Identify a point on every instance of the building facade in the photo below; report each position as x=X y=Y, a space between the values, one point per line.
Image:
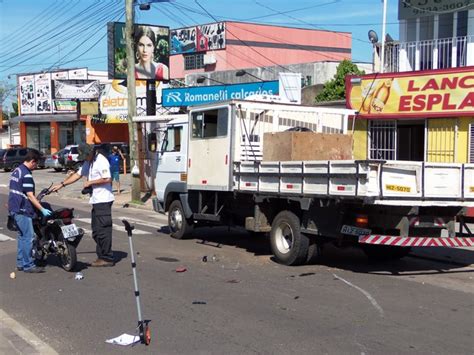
x=421 y=108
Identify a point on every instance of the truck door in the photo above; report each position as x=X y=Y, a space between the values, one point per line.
x=171 y=158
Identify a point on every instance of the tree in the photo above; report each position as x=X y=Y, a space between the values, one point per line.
x=15 y=109
x=335 y=89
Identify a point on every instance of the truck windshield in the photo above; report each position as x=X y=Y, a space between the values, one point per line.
x=172 y=142
x=209 y=124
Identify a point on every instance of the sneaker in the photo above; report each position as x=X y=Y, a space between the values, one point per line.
x=102 y=263
x=34 y=270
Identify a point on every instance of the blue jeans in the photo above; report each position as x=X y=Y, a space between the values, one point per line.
x=24 y=256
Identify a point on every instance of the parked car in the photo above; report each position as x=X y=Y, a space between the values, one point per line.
x=52 y=161
x=68 y=158
x=13 y=157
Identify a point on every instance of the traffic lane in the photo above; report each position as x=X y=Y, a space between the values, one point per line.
x=251 y=303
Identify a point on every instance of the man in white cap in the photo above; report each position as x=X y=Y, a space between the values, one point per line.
x=96 y=169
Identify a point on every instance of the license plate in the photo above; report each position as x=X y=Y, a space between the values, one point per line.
x=351 y=230
x=70 y=231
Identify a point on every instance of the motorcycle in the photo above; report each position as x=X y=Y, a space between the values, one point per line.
x=56 y=234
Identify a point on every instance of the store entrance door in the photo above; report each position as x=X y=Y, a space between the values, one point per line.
x=411 y=141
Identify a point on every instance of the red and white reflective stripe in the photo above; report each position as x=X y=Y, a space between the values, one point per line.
x=417 y=241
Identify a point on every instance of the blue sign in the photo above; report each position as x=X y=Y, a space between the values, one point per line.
x=197 y=95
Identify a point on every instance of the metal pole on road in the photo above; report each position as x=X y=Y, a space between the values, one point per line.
x=132 y=102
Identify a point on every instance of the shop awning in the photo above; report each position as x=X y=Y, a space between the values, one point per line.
x=45 y=118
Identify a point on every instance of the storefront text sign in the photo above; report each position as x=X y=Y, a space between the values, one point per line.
x=438 y=93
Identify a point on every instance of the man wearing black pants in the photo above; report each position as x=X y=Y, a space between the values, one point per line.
x=96 y=169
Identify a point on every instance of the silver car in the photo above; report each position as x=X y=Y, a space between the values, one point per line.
x=52 y=161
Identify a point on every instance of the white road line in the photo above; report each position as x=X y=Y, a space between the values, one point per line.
x=115 y=226
x=5 y=238
x=145 y=223
x=366 y=294
x=3 y=185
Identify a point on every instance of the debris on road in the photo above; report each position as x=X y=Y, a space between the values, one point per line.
x=181 y=269
x=79 y=276
x=199 y=302
x=124 y=339
x=204 y=259
x=12 y=275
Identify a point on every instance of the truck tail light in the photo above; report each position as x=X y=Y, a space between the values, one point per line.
x=362 y=221
x=69 y=157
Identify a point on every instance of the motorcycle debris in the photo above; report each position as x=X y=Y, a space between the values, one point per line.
x=79 y=276
x=12 y=275
x=199 y=302
x=181 y=269
x=204 y=259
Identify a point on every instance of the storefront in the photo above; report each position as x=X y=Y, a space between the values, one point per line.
x=420 y=116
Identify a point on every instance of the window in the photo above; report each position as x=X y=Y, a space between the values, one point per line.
x=172 y=142
x=209 y=124
x=193 y=61
x=382 y=140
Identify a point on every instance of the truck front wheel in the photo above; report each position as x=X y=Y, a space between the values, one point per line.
x=289 y=245
x=177 y=222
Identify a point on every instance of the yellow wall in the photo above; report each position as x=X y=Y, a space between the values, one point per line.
x=360 y=139
x=462 y=155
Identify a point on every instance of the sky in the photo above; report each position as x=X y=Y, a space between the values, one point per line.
x=38 y=35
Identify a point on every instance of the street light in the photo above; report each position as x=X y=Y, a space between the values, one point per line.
x=242 y=72
x=203 y=78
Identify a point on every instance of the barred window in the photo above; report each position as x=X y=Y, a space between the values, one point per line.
x=194 y=61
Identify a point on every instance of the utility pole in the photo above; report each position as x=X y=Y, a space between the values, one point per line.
x=384 y=21
x=132 y=101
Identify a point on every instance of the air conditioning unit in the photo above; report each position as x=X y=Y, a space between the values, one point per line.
x=209 y=59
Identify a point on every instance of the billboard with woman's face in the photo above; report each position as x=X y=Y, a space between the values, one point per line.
x=151 y=51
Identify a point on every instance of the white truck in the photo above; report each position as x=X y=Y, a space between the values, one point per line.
x=210 y=172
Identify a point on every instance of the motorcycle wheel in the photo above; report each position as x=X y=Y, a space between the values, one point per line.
x=39 y=255
x=68 y=256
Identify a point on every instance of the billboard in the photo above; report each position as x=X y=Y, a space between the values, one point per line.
x=26 y=86
x=76 y=89
x=77 y=74
x=151 y=49
x=113 y=100
x=198 y=38
x=418 y=8
x=43 y=93
x=445 y=93
x=64 y=106
x=60 y=75
x=206 y=94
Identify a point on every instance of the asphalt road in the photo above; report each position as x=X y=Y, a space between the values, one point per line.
x=247 y=303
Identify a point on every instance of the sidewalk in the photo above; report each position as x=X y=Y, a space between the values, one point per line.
x=16 y=339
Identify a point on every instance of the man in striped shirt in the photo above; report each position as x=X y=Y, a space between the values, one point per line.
x=21 y=205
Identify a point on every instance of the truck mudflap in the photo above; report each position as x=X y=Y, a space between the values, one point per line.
x=452 y=242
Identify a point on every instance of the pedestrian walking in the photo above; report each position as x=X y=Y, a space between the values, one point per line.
x=114 y=159
x=22 y=206
x=96 y=169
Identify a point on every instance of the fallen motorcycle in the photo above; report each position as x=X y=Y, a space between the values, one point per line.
x=56 y=235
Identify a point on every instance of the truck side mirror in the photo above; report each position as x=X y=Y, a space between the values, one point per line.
x=152 y=142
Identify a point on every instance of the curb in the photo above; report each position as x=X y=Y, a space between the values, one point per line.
x=19 y=331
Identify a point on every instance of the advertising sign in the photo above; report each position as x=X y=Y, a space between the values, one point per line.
x=151 y=49
x=77 y=74
x=43 y=93
x=418 y=8
x=26 y=85
x=198 y=38
x=113 y=100
x=60 y=75
x=438 y=94
x=73 y=89
x=207 y=94
x=64 y=106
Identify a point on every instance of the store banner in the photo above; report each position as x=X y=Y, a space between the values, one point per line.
x=418 y=8
x=89 y=108
x=206 y=94
x=76 y=89
x=60 y=75
x=63 y=106
x=26 y=96
x=444 y=93
x=77 y=74
x=43 y=93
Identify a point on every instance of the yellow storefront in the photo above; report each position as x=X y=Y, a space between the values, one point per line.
x=420 y=116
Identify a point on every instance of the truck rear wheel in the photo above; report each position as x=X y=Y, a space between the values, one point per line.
x=288 y=244
x=177 y=222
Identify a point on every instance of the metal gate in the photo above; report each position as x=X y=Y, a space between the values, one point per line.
x=383 y=139
x=441 y=140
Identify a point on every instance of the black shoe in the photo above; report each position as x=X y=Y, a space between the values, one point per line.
x=19 y=268
x=35 y=270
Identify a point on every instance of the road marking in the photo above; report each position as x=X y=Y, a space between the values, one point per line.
x=3 y=185
x=5 y=238
x=115 y=226
x=145 y=223
x=366 y=294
